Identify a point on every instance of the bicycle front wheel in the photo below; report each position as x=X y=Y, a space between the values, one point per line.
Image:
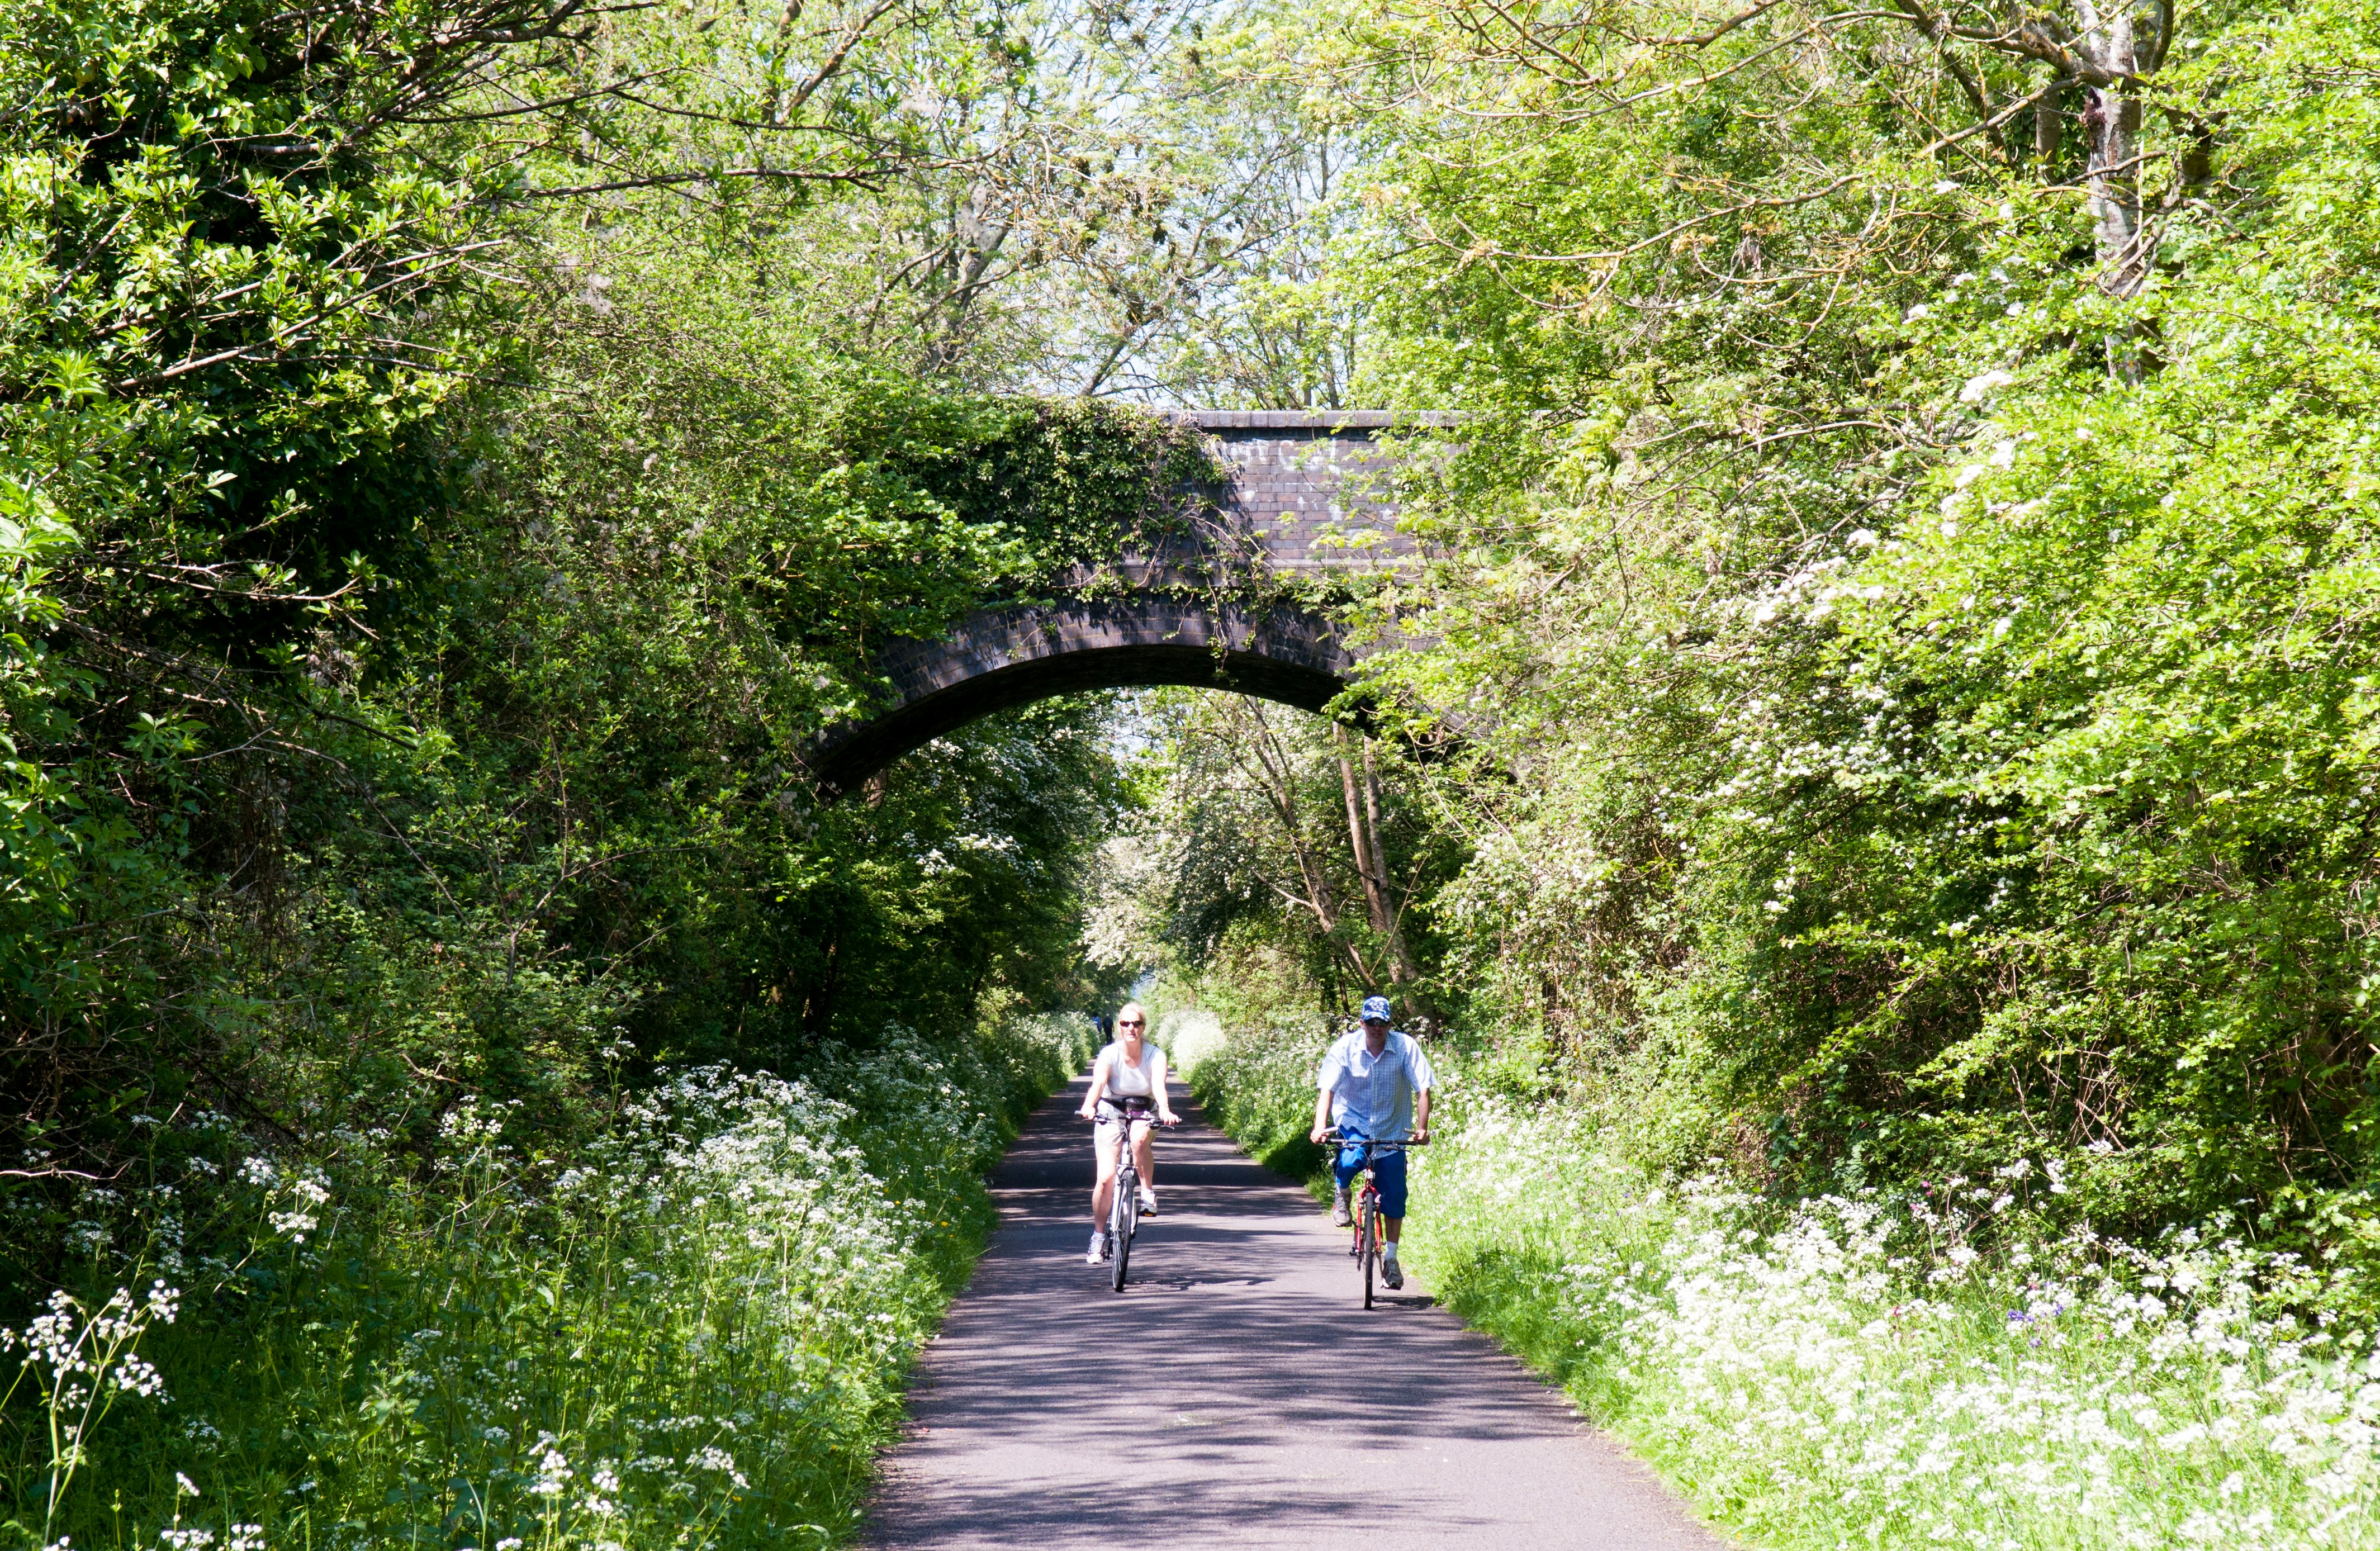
x=1127 y=1226
x=1369 y=1251
x=1126 y=1221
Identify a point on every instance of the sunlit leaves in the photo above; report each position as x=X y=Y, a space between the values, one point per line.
x=1931 y=672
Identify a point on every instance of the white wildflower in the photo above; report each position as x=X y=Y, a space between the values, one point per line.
x=554 y=1472
x=1980 y=387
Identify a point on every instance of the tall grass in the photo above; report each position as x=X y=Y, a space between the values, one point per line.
x=1934 y=1367
x=693 y=1333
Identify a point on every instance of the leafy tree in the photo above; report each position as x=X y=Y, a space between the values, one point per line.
x=434 y=536
x=1895 y=581
x=1893 y=644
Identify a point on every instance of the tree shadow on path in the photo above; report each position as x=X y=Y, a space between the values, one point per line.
x=1236 y=1392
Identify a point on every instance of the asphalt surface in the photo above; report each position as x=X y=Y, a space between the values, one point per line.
x=1236 y=1393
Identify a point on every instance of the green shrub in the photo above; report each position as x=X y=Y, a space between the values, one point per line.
x=1061 y=1044
x=691 y=1333
x=1260 y=1088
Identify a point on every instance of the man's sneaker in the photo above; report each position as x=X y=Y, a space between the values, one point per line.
x=1341 y=1214
x=1147 y=1202
x=1392 y=1273
x=1098 y=1254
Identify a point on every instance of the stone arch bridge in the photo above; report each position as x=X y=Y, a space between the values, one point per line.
x=1304 y=501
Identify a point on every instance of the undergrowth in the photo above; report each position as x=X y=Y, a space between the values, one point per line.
x=692 y=1333
x=1953 y=1364
x=1260 y=1088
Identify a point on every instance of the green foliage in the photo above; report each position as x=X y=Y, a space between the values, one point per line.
x=1258 y=1086
x=205 y=429
x=1078 y=481
x=414 y=611
x=417 y=563
x=676 y=580
x=690 y=1329
x=1908 y=645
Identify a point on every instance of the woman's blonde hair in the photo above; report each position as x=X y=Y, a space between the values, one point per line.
x=1128 y=1010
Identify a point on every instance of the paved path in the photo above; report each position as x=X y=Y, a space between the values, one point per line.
x=1236 y=1394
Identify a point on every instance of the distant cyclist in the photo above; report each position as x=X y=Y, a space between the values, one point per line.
x=1377 y=1081
x=1127 y=1084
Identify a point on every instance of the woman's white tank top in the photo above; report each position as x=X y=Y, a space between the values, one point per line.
x=1126 y=1080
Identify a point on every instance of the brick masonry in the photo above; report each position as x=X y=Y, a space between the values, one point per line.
x=1308 y=498
x=1312 y=489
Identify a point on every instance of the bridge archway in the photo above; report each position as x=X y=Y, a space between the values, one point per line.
x=1301 y=501
x=1000 y=660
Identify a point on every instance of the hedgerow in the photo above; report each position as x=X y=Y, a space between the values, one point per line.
x=690 y=1331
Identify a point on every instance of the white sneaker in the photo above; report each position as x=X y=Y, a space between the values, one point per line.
x=1147 y=1202
x=1392 y=1273
x=1098 y=1254
x=1341 y=1214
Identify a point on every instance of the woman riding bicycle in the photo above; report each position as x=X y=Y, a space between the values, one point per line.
x=1128 y=1083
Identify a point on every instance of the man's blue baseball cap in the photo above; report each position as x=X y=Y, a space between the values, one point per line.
x=1375 y=1007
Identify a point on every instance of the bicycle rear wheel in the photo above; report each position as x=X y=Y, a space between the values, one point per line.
x=1126 y=1219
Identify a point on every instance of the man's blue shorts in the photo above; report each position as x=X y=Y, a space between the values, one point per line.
x=1388 y=1171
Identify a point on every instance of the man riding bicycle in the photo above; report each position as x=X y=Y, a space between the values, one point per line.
x=1127 y=1083
x=1378 y=1082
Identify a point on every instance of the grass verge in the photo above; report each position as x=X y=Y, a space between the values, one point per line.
x=1929 y=1368
x=693 y=1333
x=1258 y=1088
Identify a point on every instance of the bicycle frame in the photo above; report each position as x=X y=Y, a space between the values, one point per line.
x=1124 y=1205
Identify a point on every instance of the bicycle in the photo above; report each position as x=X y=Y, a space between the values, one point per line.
x=1123 y=1207
x=1366 y=1250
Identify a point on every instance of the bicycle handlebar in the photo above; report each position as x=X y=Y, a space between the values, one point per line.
x=1336 y=1136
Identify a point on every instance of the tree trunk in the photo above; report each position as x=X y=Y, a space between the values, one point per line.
x=1375 y=893
x=2048 y=125
x=1280 y=791
x=1393 y=907
x=2111 y=122
x=2110 y=49
x=2112 y=119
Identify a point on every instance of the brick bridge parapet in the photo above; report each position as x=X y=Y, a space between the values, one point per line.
x=1312 y=488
